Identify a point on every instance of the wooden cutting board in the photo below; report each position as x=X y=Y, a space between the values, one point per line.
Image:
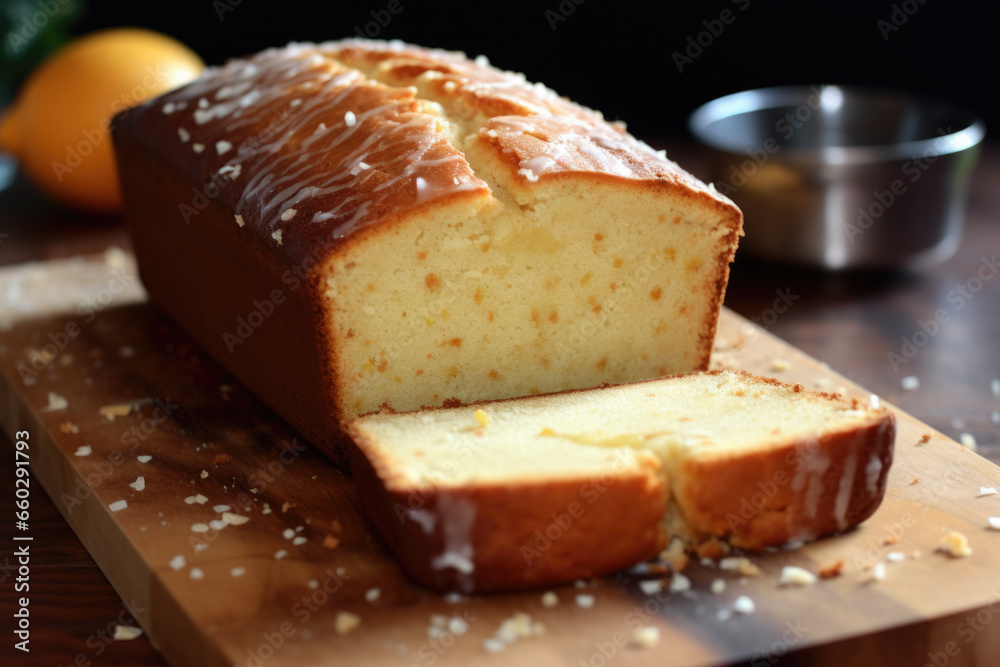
x=212 y=443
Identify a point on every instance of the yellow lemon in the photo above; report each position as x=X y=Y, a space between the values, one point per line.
x=58 y=126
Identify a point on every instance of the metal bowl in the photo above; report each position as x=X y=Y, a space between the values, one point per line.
x=842 y=177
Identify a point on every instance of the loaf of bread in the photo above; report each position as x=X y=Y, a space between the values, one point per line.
x=360 y=224
x=546 y=489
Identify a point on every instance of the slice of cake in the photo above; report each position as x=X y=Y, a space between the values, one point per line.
x=540 y=490
x=360 y=224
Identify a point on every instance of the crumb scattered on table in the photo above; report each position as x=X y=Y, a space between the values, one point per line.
x=832 y=570
x=346 y=622
x=744 y=605
x=124 y=633
x=740 y=564
x=112 y=411
x=792 y=575
x=955 y=545
x=646 y=637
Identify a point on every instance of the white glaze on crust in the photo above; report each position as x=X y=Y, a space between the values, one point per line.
x=285 y=111
x=301 y=129
x=843 y=499
x=457 y=517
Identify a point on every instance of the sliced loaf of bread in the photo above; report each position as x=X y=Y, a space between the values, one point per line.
x=538 y=490
x=359 y=223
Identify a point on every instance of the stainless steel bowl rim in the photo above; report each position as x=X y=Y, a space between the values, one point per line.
x=759 y=99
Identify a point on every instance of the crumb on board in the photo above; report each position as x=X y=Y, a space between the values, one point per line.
x=889 y=540
x=915 y=480
x=518 y=626
x=346 y=622
x=712 y=548
x=549 y=599
x=493 y=645
x=124 y=633
x=955 y=544
x=986 y=491
x=69 y=428
x=780 y=364
x=330 y=542
x=647 y=636
x=56 y=402
x=740 y=564
x=968 y=441
x=679 y=583
x=83 y=450
x=924 y=439
x=792 y=575
x=117 y=410
x=234 y=519
x=831 y=571
x=651 y=586
x=585 y=601
x=675 y=555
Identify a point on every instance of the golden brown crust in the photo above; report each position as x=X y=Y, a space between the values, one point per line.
x=217 y=295
x=520 y=536
x=796 y=492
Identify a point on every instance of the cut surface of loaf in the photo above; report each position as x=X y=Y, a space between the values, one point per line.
x=360 y=223
x=584 y=483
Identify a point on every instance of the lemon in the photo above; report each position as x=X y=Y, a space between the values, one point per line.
x=58 y=125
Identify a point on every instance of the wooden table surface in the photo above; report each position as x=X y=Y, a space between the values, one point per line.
x=851 y=321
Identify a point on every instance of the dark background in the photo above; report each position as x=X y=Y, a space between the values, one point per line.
x=617 y=56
